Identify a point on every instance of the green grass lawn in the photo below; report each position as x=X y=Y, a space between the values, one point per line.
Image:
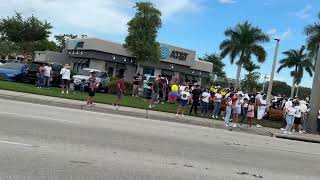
x=99 y=98
x=103 y=98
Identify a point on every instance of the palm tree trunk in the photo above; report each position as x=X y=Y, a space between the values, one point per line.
x=137 y=68
x=292 y=87
x=238 y=77
x=297 y=93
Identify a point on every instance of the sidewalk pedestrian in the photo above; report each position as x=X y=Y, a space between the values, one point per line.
x=155 y=93
x=196 y=93
x=136 y=85
x=250 y=112
x=47 y=75
x=161 y=93
x=290 y=112
x=262 y=104
x=229 y=107
x=297 y=118
x=237 y=110
x=244 y=110
x=185 y=97
x=216 y=104
x=40 y=76
x=145 y=87
x=65 y=77
x=92 y=87
x=121 y=89
x=205 y=96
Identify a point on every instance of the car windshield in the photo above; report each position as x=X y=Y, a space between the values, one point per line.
x=87 y=73
x=34 y=67
x=15 y=66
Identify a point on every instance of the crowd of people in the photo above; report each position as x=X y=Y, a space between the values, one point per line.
x=235 y=107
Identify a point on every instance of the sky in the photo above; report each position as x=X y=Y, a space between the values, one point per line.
x=198 y=25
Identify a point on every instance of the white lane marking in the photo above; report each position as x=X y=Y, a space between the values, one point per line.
x=16 y=143
x=38 y=117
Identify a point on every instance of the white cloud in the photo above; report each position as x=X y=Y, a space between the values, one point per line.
x=107 y=17
x=170 y=9
x=227 y=1
x=272 y=31
x=275 y=34
x=303 y=13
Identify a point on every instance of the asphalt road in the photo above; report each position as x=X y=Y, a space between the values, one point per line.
x=44 y=142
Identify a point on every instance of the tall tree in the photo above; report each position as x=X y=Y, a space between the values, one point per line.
x=218 y=64
x=251 y=82
x=61 y=39
x=24 y=32
x=250 y=67
x=7 y=47
x=244 y=42
x=300 y=61
x=313 y=33
x=142 y=33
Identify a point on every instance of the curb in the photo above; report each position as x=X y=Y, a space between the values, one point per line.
x=298 y=138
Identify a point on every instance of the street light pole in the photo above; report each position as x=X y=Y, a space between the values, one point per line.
x=311 y=124
x=264 y=82
x=272 y=72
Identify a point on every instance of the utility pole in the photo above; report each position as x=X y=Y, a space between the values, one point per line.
x=311 y=124
x=272 y=72
x=264 y=82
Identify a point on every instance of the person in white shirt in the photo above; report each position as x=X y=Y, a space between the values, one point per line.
x=262 y=104
x=290 y=113
x=205 y=96
x=47 y=75
x=237 y=109
x=185 y=97
x=65 y=77
x=297 y=117
x=229 y=107
x=217 y=105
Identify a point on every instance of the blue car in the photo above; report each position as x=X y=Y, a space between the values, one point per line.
x=13 y=72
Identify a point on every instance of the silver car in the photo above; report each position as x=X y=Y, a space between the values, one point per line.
x=84 y=75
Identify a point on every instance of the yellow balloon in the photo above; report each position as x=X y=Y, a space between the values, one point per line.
x=174 y=88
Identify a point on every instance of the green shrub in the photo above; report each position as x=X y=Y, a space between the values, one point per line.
x=276 y=115
x=113 y=89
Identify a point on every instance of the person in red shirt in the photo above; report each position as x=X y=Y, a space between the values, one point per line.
x=120 y=93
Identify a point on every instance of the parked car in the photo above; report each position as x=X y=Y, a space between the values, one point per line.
x=34 y=68
x=13 y=72
x=84 y=74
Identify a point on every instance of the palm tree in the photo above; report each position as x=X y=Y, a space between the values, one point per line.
x=313 y=33
x=218 y=65
x=300 y=61
x=250 y=67
x=244 y=42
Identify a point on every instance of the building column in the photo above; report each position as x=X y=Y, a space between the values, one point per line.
x=114 y=73
x=7 y=57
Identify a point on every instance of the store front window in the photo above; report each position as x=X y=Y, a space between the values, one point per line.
x=147 y=71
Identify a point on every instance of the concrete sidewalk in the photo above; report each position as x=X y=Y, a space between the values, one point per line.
x=154 y=115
